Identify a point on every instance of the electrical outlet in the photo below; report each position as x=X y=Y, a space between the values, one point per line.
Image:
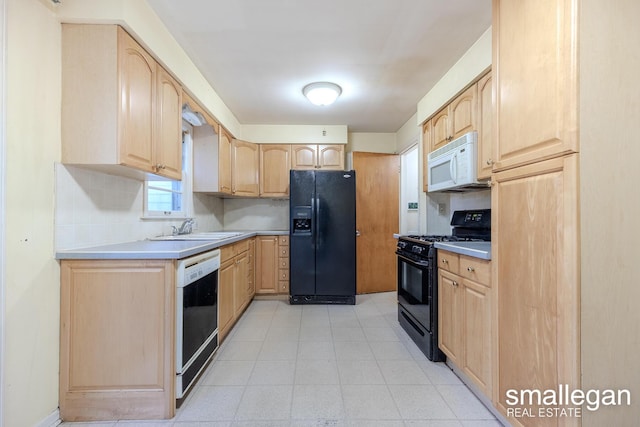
x=442 y=208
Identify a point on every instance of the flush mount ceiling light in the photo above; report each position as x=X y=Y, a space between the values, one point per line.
x=322 y=93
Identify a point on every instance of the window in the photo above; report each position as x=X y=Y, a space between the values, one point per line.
x=165 y=198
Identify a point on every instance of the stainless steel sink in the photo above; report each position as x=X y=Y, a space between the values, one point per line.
x=213 y=235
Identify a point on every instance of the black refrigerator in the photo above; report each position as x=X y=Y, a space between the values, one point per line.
x=322 y=237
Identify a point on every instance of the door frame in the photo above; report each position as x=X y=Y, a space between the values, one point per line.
x=402 y=217
x=3 y=127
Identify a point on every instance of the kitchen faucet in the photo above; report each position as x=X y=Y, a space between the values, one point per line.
x=185 y=227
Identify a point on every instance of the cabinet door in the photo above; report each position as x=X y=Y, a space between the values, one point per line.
x=440 y=129
x=450 y=306
x=427 y=135
x=246 y=159
x=225 y=297
x=168 y=140
x=137 y=101
x=331 y=157
x=275 y=162
x=535 y=268
x=266 y=264
x=485 y=126
x=462 y=112
x=240 y=285
x=304 y=156
x=251 y=276
x=117 y=339
x=224 y=161
x=536 y=80
x=477 y=335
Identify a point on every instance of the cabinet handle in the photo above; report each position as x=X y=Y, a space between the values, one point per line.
x=471 y=269
x=455 y=283
x=444 y=261
x=489 y=162
x=160 y=167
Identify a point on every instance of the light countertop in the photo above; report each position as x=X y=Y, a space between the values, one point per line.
x=159 y=249
x=480 y=250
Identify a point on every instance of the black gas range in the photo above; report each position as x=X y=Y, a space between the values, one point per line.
x=418 y=277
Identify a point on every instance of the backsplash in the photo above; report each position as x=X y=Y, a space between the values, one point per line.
x=256 y=214
x=94 y=208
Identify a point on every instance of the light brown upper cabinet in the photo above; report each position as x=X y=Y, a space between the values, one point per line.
x=485 y=126
x=120 y=109
x=329 y=157
x=245 y=158
x=211 y=159
x=275 y=162
x=549 y=100
x=456 y=119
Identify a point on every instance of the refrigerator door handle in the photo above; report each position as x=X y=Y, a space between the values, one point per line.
x=313 y=221
x=316 y=219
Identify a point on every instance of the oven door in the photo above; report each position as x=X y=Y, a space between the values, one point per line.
x=196 y=316
x=415 y=288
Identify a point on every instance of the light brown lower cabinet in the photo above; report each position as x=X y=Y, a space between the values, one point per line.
x=117 y=339
x=272 y=265
x=235 y=284
x=464 y=316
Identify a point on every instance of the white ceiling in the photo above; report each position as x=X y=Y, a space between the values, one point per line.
x=386 y=54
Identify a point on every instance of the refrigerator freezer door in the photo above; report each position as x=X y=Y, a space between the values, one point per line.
x=302 y=244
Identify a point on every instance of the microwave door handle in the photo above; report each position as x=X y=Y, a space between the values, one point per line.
x=453 y=168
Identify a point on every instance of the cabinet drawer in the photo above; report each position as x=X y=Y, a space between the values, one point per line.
x=283 y=240
x=283 y=286
x=283 y=251
x=475 y=269
x=242 y=246
x=227 y=252
x=448 y=261
x=283 y=263
x=283 y=274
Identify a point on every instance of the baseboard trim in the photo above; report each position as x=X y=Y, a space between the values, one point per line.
x=52 y=420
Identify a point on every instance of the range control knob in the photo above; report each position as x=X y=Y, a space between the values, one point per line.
x=417 y=249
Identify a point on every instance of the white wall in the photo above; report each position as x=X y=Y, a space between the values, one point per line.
x=471 y=65
x=30 y=387
x=369 y=142
x=93 y=208
x=142 y=22
x=256 y=214
x=295 y=134
x=410 y=189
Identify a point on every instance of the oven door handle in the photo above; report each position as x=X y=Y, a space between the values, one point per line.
x=421 y=264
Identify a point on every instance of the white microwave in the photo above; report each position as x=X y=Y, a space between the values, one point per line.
x=453 y=167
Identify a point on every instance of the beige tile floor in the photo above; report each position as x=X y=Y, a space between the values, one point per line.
x=322 y=365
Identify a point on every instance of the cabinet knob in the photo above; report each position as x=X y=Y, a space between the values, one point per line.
x=455 y=283
x=489 y=162
x=471 y=269
x=444 y=261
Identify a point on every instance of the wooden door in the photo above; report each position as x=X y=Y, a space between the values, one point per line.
x=275 y=162
x=377 y=219
x=536 y=272
x=245 y=164
x=168 y=140
x=331 y=157
x=462 y=112
x=304 y=156
x=138 y=97
x=485 y=126
x=224 y=161
x=536 y=80
x=450 y=316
